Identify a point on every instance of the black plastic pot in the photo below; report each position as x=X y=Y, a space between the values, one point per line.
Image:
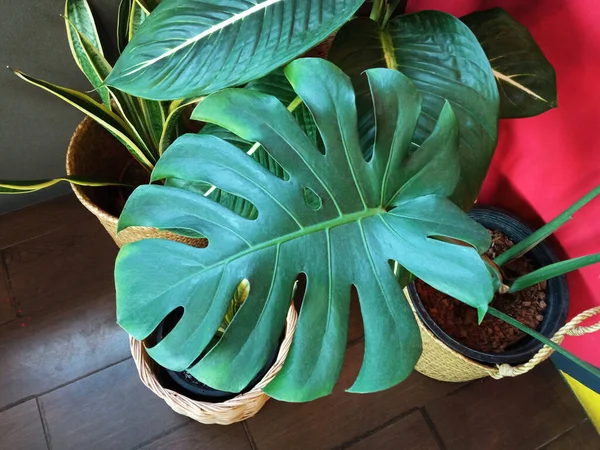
x=186 y=384
x=557 y=294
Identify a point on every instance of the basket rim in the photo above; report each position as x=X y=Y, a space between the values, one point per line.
x=239 y=406
x=82 y=128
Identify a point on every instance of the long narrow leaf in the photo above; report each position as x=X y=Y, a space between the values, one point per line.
x=109 y=120
x=90 y=60
x=25 y=187
x=538 y=236
x=168 y=131
x=543 y=339
x=553 y=270
x=137 y=15
x=129 y=110
x=80 y=14
x=123 y=24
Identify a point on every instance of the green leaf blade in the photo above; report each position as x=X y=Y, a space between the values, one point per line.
x=193 y=49
x=340 y=245
x=446 y=63
x=526 y=79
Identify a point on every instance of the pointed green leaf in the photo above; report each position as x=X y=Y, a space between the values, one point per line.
x=170 y=124
x=137 y=15
x=193 y=48
x=370 y=213
x=109 y=120
x=445 y=61
x=526 y=80
x=90 y=60
x=25 y=187
x=123 y=24
x=80 y=14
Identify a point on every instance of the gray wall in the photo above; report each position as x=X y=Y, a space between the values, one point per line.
x=35 y=126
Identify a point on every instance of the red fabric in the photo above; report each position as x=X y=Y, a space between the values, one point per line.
x=544 y=164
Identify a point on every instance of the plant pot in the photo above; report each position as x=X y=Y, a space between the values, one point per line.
x=94 y=152
x=184 y=383
x=446 y=359
x=236 y=409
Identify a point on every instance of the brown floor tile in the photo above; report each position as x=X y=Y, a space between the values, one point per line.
x=7 y=312
x=21 y=428
x=410 y=432
x=355 y=325
x=109 y=410
x=75 y=262
x=56 y=346
x=340 y=417
x=519 y=413
x=583 y=437
x=195 y=436
x=29 y=223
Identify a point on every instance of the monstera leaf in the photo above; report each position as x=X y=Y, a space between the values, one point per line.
x=337 y=218
x=443 y=58
x=188 y=48
x=526 y=80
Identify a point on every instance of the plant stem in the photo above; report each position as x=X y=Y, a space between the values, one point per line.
x=543 y=339
x=376 y=10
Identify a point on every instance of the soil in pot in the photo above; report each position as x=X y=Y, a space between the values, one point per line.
x=459 y=321
x=184 y=383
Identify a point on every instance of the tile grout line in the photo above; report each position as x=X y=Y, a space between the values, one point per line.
x=432 y=428
x=161 y=435
x=31 y=397
x=375 y=430
x=45 y=427
x=9 y=286
x=249 y=435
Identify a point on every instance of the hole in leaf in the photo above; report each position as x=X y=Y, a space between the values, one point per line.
x=299 y=290
x=163 y=329
x=312 y=199
x=237 y=300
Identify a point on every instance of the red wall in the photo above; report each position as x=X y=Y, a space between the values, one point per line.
x=545 y=163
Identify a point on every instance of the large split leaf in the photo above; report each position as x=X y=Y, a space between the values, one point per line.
x=526 y=80
x=188 y=48
x=444 y=60
x=337 y=218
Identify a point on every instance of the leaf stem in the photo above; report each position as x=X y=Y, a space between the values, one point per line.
x=543 y=339
x=376 y=10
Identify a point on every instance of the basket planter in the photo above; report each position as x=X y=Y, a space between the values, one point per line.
x=234 y=410
x=94 y=152
x=446 y=359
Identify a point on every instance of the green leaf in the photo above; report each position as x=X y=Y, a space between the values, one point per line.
x=193 y=48
x=85 y=46
x=123 y=24
x=522 y=247
x=105 y=117
x=526 y=80
x=137 y=15
x=25 y=187
x=170 y=124
x=371 y=213
x=445 y=61
x=553 y=270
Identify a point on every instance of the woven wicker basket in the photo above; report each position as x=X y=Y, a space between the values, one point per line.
x=94 y=152
x=442 y=363
x=237 y=409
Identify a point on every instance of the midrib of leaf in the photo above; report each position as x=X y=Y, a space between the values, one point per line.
x=323 y=226
x=509 y=79
x=387 y=45
x=233 y=19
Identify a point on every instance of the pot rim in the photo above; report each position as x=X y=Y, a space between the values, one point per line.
x=528 y=347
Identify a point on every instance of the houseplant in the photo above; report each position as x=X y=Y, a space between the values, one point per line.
x=337 y=217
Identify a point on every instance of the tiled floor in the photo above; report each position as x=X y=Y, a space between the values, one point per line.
x=67 y=380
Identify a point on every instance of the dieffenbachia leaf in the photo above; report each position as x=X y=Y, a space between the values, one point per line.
x=526 y=80
x=444 y=60
x=337 y=218
x=85 y=46
x=25 y=187
x=190 y=48
x=98 y=112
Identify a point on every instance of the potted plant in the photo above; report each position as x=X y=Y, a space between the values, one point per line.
x=337 y=217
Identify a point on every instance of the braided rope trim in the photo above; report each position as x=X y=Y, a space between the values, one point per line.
x=572 y=328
